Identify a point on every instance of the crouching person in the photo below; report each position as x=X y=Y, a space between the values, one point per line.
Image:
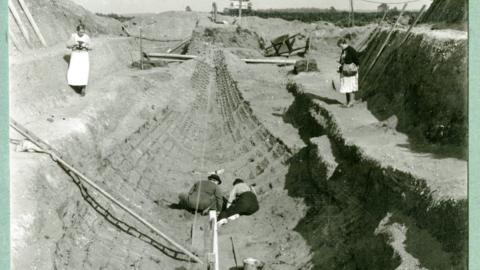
x=208 y=194
x=242 y=201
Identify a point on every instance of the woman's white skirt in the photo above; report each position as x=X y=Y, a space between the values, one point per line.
x=348 y=84
x=78 y=68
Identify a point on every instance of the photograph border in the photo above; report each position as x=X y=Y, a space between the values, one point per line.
x=4 y=156
x=474 y=136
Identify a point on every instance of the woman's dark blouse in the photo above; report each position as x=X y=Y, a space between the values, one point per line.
x=351 y=56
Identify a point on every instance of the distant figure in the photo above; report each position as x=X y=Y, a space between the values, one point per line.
x=348 y=70
x=208 y=194
x=242 y=201
x=79 y=67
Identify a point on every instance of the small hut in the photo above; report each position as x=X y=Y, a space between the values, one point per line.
x=382 y=8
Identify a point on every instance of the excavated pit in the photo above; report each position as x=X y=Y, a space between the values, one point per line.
x=326 y=200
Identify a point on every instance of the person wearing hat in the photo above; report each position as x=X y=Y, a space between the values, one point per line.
x=208 y=194
x=242 y=201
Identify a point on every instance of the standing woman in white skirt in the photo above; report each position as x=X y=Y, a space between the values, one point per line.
x=348 y=70
x=79 y=66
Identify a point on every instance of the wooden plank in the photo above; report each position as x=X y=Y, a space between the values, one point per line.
x=246 y=60
x=55 y=156
x=171 y=56
x=16 y=16
x=32 y=22
x=270 y=61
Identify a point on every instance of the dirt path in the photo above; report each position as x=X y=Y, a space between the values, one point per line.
x=379 y=141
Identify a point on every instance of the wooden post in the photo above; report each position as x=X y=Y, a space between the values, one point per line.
x=240 y=11
x=42 y=145
x=16 y=16
x=32 y=22
x=141 y=49
x=352 y=14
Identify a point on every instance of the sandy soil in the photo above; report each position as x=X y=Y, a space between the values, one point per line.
x=146 y=136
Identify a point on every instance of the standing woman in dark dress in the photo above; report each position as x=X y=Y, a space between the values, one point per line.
x=348 y=70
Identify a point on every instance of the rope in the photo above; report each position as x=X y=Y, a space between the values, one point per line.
x=202 y=156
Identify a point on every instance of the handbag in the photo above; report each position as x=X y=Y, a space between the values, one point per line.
x=349 y=70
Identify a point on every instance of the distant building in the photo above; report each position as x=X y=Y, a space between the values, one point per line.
x=382 y=8
x=246 y=4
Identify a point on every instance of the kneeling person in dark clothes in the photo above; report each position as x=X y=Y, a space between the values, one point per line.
x=208 y=194
x=242 y=201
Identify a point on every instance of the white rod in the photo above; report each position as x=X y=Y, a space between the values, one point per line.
x=16 y=16
x=213 y=221
x=32 y=22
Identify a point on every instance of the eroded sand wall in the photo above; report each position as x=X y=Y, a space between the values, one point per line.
x=423 y=82
x=360 y=192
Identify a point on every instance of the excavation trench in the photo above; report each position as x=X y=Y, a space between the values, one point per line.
x=145 y=156
x=350 y=198
x=320 y=204
x=146 y=136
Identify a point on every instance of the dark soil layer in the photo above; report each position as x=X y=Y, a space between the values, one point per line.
x=423 y=83
x=345 y=209
x=339 y=18
x=447 y=11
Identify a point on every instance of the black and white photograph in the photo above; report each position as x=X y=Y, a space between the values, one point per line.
x=238 y=134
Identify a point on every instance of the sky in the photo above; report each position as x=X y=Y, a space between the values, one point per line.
x=155 y=6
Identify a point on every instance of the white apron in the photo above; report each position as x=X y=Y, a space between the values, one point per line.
x=79 y=66
x=348 y=84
